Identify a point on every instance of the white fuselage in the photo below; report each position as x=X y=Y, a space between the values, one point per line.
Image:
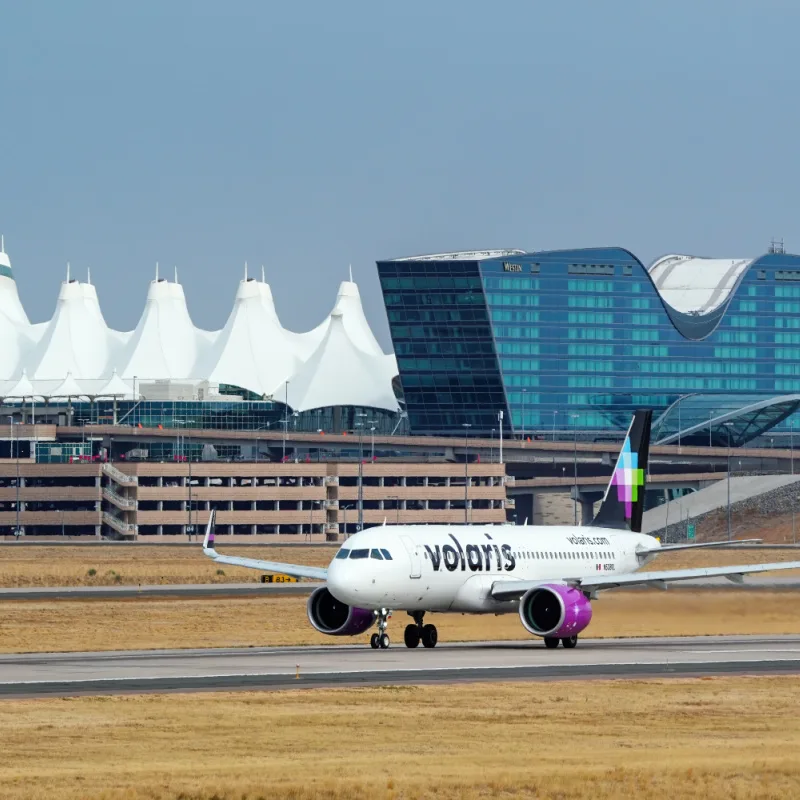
x=453 y=567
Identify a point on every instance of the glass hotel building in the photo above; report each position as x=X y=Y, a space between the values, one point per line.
x=570 y=342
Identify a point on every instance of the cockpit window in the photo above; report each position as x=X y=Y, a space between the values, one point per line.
x=376 y=554
x=343 y=553
x=386 y=554
x=359 y=554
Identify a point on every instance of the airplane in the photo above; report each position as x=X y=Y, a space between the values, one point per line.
x=549 y=575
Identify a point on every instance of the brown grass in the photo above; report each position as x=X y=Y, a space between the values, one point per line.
x=129 y=566
x=26 y=566
x=710 y=738
x=69 y=625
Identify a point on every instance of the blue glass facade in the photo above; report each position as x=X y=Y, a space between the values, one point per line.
x=574 y=340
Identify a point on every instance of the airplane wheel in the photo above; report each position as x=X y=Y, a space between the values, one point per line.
x=412 y=635
x=374 y=641
x=569 y=642
x=384 y=641
x=551 y=642
x=430 y=636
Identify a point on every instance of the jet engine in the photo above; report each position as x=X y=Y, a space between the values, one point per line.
x=330 y=616
x=555 y=610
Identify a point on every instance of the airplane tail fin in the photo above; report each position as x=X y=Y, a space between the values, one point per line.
x=623 y=502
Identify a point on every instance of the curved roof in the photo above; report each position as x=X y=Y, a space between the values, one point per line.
x=695 y=285
x=742 y=417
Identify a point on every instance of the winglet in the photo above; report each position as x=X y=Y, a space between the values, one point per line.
x=208 y=542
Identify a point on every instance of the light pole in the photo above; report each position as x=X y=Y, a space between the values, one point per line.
x=500 y=425
x=396 y=499
x=285 y=421
x=679 y=424
x=554 y=425
x=344 y=510
x=728 y=426
x=372 y=451
x=466 y=426
x=361 y=473
x=524 y=393
x=574 y=418
x=11 y=424
x=311 y=519
x=791 y=442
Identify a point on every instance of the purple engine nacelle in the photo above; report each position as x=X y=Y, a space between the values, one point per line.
x=555 y=610
x=330 y=616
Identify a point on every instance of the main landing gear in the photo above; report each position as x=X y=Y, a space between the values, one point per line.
x=551 y=642
x=380 y=640
x=416 y=633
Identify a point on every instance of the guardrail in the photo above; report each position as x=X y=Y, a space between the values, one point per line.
x=118 y=524
x=118 y=475
x=118 y=499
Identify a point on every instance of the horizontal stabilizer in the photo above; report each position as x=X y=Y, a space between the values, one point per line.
x=671 y=548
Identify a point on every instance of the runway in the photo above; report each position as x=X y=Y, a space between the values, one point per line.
x=358 y=665
x=772 y=584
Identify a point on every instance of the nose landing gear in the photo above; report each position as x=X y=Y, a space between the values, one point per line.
x=416 y=633
x=380 y=640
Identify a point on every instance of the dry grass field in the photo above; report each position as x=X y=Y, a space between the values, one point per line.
x=710 y=738
x=74 y=625
x=106 y=565
x=131 y=565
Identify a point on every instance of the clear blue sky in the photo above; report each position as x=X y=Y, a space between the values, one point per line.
x=308 y=136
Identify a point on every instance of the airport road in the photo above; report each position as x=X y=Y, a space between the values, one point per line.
x=265 y=589
x=349 y=665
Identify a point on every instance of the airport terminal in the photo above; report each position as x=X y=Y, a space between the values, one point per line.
x=509 y=369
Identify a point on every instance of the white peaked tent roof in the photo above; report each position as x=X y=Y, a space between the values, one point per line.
x=348 y=304
x=165 y=344
x=339 y=374
x=10 y=305
x=252 y=351
x=76 y=354
x=22 y=388
x=76 y=339
x=67 y=388
x=115 y=387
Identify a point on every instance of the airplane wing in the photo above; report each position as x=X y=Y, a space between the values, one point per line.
x=295 y=570
x=671 y=548
x=513 y=590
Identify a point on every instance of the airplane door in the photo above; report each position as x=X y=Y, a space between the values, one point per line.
x=413 y=554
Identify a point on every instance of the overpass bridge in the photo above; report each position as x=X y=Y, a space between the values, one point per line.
x=515 y=452
x=589 y=489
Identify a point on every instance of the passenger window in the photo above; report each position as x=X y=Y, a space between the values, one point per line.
x=376 y=554
x=359 y=554
x=343 y=553
x=387 y=555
